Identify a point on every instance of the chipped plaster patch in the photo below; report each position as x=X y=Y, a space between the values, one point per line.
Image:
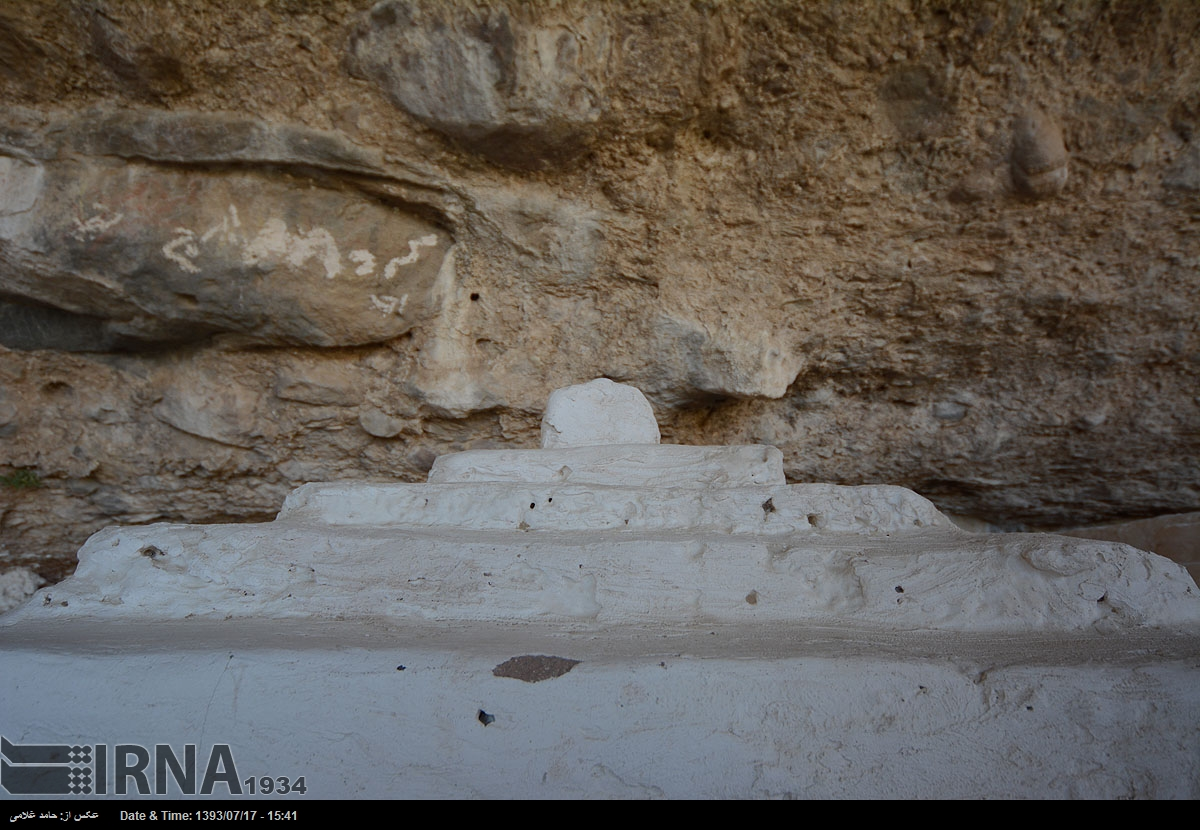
x=534 y=668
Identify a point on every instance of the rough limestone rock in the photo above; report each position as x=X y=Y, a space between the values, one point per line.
x=523 y=95
x=947 y=247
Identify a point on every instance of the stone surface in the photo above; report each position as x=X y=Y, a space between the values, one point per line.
x=1184 y=175
x=598 y=412
x=807 y=232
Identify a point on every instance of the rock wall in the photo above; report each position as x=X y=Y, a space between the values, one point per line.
x=247 y=246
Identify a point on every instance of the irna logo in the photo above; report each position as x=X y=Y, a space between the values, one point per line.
x=59 y=769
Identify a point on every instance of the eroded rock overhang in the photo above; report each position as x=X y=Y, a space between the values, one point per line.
x=147 y=226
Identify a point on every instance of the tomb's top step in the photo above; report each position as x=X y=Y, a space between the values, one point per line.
x=605 y=433
x=601 y=468
x=633 y=465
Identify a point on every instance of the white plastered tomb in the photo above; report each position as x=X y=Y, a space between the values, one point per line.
x=705 y=628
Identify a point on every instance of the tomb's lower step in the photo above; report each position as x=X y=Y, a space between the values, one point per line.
x=931 y=578
x=878 y=510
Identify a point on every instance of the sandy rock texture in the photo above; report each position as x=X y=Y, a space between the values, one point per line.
x=244 y=246
x=1176 y=537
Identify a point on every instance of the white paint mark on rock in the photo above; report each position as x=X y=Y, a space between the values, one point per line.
x=271 y=242
x=226 y=228
x=275 y=241
x=96 y=225
x=365 y=260
x=183 y=250
x=414 y=253
x=389 y=304
x=311 y=244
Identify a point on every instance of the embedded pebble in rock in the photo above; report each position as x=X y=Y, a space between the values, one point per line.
x=379 y=423
x=1184 y=174
x=16 y=586
x=1039 y=157
x=600 y=412
x=949 y=411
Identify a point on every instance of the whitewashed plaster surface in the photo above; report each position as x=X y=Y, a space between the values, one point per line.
x=600 y=412
x=643 y=465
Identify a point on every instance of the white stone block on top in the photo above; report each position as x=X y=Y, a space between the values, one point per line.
x=599 y=412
